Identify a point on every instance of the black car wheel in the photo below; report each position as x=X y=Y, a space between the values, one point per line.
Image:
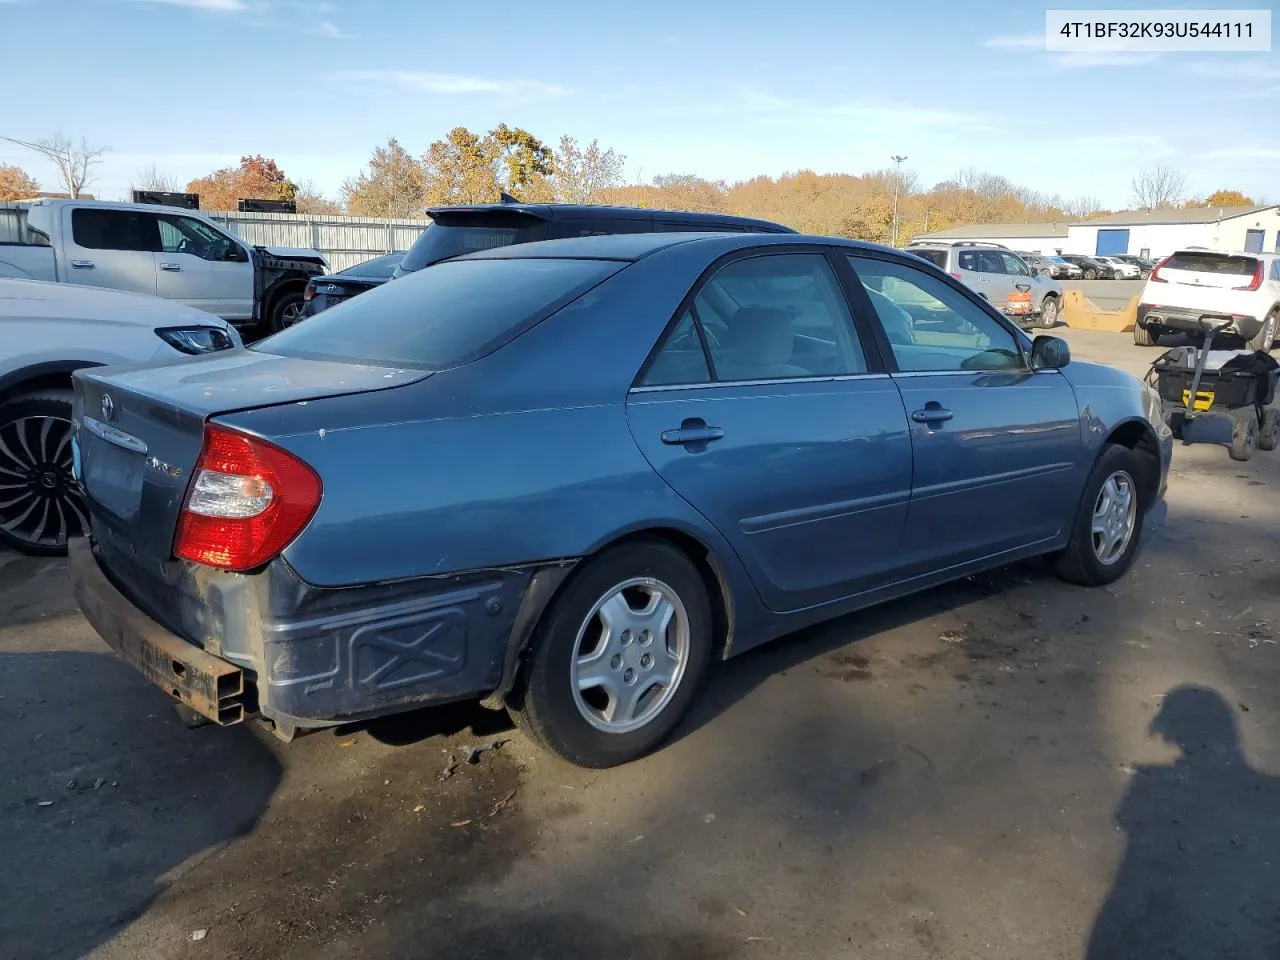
x=41 y=506
x=1091 y=274
x=618 y=657
x=1265 y=338
x=285 y=312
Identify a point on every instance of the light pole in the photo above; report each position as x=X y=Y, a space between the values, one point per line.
x=897 y=186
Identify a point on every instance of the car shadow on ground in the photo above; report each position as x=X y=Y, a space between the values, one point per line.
x=1198 y=878
x=96 y=815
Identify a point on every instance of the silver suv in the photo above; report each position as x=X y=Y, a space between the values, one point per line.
x=995 y=272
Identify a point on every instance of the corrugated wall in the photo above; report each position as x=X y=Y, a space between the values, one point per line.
x=345 y=241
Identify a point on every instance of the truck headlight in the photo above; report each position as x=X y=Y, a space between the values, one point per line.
x=196 y=340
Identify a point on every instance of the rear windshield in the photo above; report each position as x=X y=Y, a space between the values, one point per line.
x=452 y=314
x=377 y=267
x=453 y=234
x=937 y=257
x=1213 y=263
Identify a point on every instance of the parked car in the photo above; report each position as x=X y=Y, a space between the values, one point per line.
x=1191 y=283
x=1144 y=266
x=1051 y=266
x=458 y=230
x=167 y=252
x=389 y=506
x=47 y=331
x=1121 y=269
x=334 y=288
x=997 y=274
x=1090 y=268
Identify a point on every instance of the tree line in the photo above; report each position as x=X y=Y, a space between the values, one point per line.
x=466 y=167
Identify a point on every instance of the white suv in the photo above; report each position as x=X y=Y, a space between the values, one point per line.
x=1123 y=269
x=1190 y=284
x=47 y=330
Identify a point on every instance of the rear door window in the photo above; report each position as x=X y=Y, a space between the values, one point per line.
x=455 y=234
x=114 y=230
x=456 y=312
x=981 y=261
x=690 y=226
x=937 y=257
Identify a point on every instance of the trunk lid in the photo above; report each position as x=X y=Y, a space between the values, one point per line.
x=140 y=429
x=1214 y=271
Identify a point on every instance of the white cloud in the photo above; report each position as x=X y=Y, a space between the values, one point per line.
x=452 y=83
x=327 y=28
x=220 y=6
x=1257 y=70
x=1244 y=153
x=1019 y=41
x=773 y=107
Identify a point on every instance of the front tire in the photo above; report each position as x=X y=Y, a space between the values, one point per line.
x=285 y=312
x=41 y=506
x=1244 y=437
x=618 y=658
x=1108 y=524
x=1091 y=274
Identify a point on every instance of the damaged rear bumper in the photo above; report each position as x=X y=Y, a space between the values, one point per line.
x=304 y=656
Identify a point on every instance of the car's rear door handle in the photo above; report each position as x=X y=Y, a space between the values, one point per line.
x=82 y=264
x=692 y=431
x=932 y=413
x=171 y=267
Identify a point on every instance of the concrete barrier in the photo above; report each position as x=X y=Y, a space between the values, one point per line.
x=1081 y=313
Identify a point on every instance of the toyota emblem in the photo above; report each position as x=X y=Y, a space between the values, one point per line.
x=108 y=407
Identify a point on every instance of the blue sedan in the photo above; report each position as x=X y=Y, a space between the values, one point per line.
x=567 y=476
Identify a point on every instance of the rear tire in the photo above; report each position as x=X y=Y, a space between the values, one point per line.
x=1049 y=312
x=1144 y=336
x=41 y=506
x=1096 y=557
x=1244 y=438
x=1265 y=338
x=578 y=641
x=1269 y=434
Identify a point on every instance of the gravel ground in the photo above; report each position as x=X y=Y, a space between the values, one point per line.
x=1008 y=767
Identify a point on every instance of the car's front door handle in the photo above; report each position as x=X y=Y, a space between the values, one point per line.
x=171 y=267
x=693 y=431
x=932 y=413
x=82 y=264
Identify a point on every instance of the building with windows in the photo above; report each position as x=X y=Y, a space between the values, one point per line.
x=1158 y=233
x=1146 y=233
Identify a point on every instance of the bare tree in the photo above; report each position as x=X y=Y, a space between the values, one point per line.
x=150 y=178
x=1082 y=206
x=73 y=161
x=1158 y=187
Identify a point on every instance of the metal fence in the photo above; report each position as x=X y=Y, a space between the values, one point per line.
x=344 y=241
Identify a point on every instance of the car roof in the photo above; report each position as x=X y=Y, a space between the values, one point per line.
x=585 y=211
x=637 y=246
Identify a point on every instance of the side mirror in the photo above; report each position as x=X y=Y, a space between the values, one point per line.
x=1049 y=353
x=234 y=254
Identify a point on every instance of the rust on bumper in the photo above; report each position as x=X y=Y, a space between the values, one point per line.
x=211 y=687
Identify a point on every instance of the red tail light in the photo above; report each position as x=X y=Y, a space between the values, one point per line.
x=1256 y=282
x=1155 y=272
x=247 y=500
x=309 y=293
x=954 y=276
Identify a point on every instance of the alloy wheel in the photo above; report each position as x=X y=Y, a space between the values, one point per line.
x=1115 y=516
x=40 y=503
x=630 y=655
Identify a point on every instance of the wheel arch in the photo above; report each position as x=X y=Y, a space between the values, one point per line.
x=281 y=288
x=50 y=374
x=1140 y=437
x=550 y=580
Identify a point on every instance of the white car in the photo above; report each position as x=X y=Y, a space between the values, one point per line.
x=47 y=330
x=1124 y=270
x=1239 y=289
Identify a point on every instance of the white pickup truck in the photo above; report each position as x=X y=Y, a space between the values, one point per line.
x=168 y=252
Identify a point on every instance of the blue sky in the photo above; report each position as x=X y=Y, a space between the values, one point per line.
x=719 y=89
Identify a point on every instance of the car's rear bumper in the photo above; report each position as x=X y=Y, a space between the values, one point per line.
x=1185 y=320
x=272 y=645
